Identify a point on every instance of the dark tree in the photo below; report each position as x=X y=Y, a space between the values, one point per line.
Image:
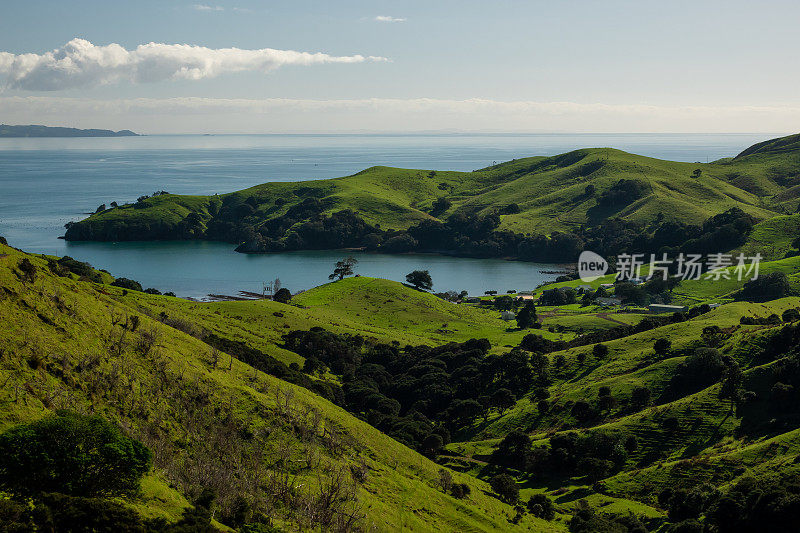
x=526 y=318
x=594 y=469
x=731 y=388
x=344 y=268
x=662 y=346
x=503 y=399
x=440 y=205
x=72 y=454
x=769 y=287
x=640 y=397
x=790 y=315
x=600 y=351
x=126 y=283
x=421 y=279
x=506 y=487
x=543 y=406
x=28 y=270
x=283 y=296
x=513 y=448
x=541 y=506
x=432 y=444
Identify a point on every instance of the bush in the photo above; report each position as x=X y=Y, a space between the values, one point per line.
x=541 y=506
x=640 y=397
x=764 y=288
x=460 y=490
x=790 y=315
x=283 y=296
x=600 y=351
x=74 y=454
x=128 y=284
x=506 y=487
x=28 y=270
x=662 y=346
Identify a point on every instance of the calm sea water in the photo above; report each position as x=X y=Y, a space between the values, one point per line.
x=45 y=183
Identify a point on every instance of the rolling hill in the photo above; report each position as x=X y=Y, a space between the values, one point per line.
x=70 y=343
x=532 y=195
x=210 y=420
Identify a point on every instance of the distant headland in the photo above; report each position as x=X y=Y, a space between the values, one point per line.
x=47 y=131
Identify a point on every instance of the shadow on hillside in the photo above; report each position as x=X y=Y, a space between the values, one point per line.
x=599 y=213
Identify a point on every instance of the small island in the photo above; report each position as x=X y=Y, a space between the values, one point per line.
x=7 y=130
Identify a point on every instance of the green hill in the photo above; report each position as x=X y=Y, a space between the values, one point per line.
x=210 y=420
x=531 y=195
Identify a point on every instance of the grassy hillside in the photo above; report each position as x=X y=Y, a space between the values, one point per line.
x=551 y=193
x=72 y=344
x=708 y=443
x=375 y=308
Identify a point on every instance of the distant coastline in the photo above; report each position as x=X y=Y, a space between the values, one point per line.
x=48 y=131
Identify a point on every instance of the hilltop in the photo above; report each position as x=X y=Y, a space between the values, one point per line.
x=7 y=130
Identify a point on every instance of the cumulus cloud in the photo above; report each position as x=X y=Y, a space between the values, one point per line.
x=79 y=63
x=387 y=18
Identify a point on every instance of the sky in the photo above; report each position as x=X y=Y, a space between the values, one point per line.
x=255 y=66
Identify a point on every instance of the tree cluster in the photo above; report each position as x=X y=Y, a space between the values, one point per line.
x=419 y=394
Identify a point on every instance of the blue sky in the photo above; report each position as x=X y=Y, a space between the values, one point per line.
x=574 y=65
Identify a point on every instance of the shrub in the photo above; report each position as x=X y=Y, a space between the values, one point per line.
x=28 y=270
x=541 y=506
x=73 y=454
x=600 y=351
x=640 y=397
x=128 y=284
x=595 y=469
x=460 y=490
x=671 y=423
x=283 y=296
x=662 y=346
x=769 y=287
x=506 y=487
x=790 y=315
x=543 y=406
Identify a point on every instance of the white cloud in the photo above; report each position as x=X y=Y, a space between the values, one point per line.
x=204 y=7
x=80 y=63
x=275 y=115
x=387 y=18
